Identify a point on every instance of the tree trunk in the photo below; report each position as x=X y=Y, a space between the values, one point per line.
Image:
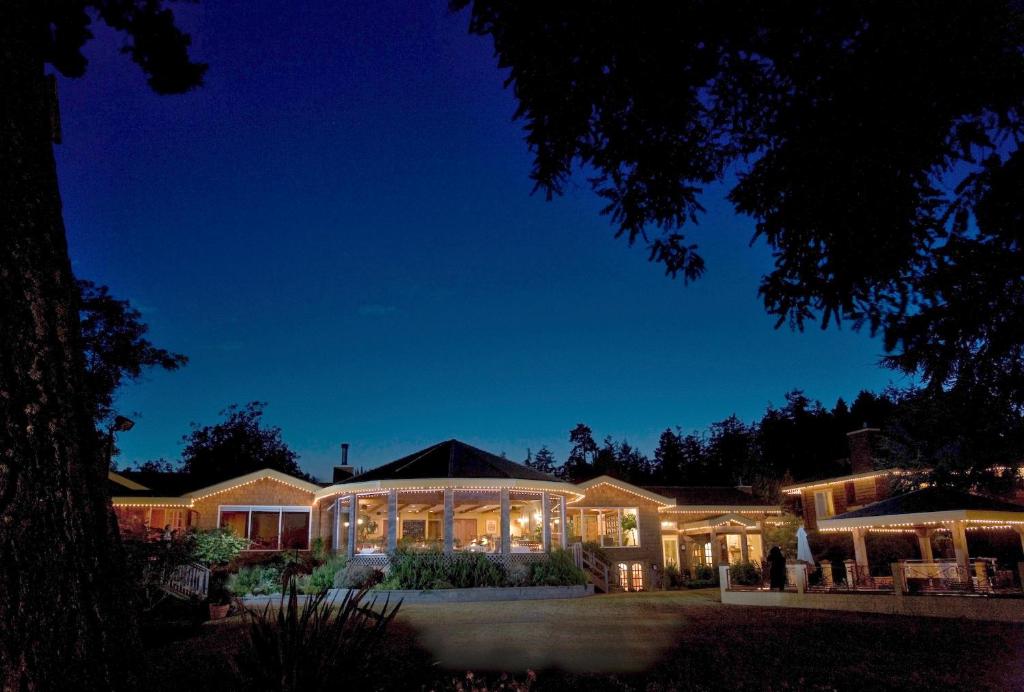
x=64 y=619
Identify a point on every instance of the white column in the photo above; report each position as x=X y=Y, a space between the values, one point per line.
x=392 y=520
x=506 y=534
x=336 y=532
x=744 y=547
x=545 y=517
x=353 y=519
x=716 y=552
x=924 y=543
x=562 y=523
x=960 y=543
x=860 y=549
x=449 y=520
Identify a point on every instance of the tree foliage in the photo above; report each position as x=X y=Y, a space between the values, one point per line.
x=239 y=444
x=875 y=144
x=115 y=345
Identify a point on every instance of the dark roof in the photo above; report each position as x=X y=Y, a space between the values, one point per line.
x=933 y=499
x=451 y=459
x=708 y=495
x=159 y=484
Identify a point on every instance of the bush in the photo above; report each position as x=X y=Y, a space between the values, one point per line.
x=217 y=546
x=700 y=583
x=704 y=573
x=671 y=578
x=470 y=570
x=356 y=576
x=322 y=577
x=322 y=646
x=255 y=581
x=411 y=569
x=518 y=574
x=745 y=573
x=558 y=570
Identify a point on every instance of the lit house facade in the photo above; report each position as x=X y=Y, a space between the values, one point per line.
x=454 y=497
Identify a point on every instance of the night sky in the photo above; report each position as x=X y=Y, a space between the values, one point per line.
x=340 y=223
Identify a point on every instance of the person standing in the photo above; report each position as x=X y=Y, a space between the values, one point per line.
x=777 y=568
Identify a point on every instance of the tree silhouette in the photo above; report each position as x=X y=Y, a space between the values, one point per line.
x=580 y=462
x=237 y=445
x=544 y=461
x=875 y=144
x=63 y=616
x=116 y=348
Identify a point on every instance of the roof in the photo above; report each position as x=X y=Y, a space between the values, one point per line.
x=165 y=483
x=708 y=495
x=927 y=505
x=450 y=459
x=795 y=488
x=932 y=499
x=645 y=493
x=723 y=520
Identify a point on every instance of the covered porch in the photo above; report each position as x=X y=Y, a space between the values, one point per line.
x=717 y=540
x=927 y=515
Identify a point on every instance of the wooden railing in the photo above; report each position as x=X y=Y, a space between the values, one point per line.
x=594 y=567
x=189 y=581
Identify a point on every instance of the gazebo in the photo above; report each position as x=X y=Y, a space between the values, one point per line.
x=925 y=511
x=454 y=497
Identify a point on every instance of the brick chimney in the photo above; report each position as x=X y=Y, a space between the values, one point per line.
x=343 y=472
x=862 y=458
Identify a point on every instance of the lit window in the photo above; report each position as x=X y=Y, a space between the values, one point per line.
x=823 y=506
x=268 y=528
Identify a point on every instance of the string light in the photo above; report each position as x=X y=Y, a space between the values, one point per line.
x=645 y=495
x=841 y=480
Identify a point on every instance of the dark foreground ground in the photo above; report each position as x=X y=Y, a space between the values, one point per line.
x=649 y=642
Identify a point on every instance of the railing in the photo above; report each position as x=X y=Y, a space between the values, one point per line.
x=758 y=578
x=849 y=576
x=596 y=569
x=189 y=581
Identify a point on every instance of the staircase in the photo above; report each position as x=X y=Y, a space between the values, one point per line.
x=188 y=581
x=595 y=569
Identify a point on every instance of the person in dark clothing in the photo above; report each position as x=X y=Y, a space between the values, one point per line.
x=777 y=569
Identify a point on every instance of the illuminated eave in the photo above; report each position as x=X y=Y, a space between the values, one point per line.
x=381 y=487
x=721 y=509
x=839 y=480
x=626 y=488
x=970 y=516
x=150 y=502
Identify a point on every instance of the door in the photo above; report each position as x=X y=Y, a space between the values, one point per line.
x=670 y=551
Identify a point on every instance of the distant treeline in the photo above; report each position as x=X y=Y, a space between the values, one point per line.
x=958 y=443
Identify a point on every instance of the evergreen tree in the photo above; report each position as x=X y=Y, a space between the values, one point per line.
x=579 y=465
x=544 y=461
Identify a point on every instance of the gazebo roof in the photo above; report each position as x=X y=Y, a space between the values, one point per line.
x=928 y=505
x=450 y=459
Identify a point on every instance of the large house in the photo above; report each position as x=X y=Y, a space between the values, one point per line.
x=458 y=498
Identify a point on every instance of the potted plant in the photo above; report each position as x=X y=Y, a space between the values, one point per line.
x=219 y=597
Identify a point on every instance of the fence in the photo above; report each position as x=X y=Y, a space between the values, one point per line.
x=909 y=577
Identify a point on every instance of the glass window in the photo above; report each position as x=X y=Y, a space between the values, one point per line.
x=295 y=530
x=264 y=530
x=823 y=503
x=236 y=522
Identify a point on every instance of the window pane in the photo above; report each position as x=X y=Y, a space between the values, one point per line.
x=264 y=531
x=237 y=522
x=295 y=530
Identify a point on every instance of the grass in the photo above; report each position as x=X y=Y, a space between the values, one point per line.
x=658 y=641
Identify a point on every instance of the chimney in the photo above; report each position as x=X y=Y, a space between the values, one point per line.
x=862 y=458
x=343 y=472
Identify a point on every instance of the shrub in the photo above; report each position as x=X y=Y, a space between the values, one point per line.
x=416 y=569
x=558 y=570
x=518 y=574
x=322 y=646
x=255 y=581
x=704 y=573
x=470 y=570
x=671 y=578
x=356 y=576
x=322 y=577
x=745 y=573
x=217 y=546
x=149 y=564
x=318 y=551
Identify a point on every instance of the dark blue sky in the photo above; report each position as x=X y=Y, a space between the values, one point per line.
x=340 y=223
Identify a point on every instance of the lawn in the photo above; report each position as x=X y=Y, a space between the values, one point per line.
x=659 y=641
